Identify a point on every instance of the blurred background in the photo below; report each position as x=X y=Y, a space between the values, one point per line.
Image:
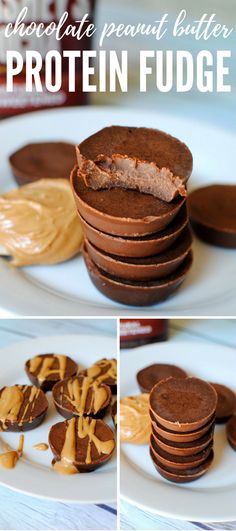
x=215 y=108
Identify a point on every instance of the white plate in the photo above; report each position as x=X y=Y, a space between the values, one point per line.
x=33 y=473
x=211 y=498
x=66 y=289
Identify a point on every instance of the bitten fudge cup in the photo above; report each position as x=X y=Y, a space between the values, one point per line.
x=130 y=191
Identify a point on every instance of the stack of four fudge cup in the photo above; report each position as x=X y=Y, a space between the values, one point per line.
x=129 y=187
x=182 y=412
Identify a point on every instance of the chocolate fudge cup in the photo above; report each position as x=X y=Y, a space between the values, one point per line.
x=150 y=245
x=146 y=268
x=212 y=214
x=42 y=160
x=133 y=293
x=27 y=409
x=183 y=476
x=178 y=436
x=185 y=448
x=122 y=212
x=151 y=375
x=81 y=444
x=81 y=395
x=45 y=370
x=125 y=212
x=103 y=371
x=183 y=404
x=147 y=144
x=226 y=403
x=178 y=462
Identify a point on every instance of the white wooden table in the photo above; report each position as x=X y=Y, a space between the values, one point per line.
x=206 y=330
x=18 y=511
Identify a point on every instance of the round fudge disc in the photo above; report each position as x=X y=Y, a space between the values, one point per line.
x=45 y=370
x=81 y=395
x=146 y=268
x=42 y=160
x=127 y=212
x=183 y=404
x=178 y=462
x=133 y=293
x=184 y=448
x=103 y=371
x=81 y=444
x=143 y=246
x=183 y=476
x=226 y=402
x=231 y=431
x=177 y=436
x=156 y=372
x=212 y=214
x=121 y=212
x=151 y=145
x=22 y=407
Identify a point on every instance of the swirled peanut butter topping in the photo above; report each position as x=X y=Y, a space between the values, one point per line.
x=9 y=458
x=135 y=424
x=78 y=394
x=39 y=223
x=46 y=366
x=102 y=370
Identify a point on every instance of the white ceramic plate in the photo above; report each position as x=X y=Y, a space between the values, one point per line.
x=33 y=473
x=65 y=289
x=211 y=498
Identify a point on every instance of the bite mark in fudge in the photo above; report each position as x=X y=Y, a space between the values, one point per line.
x=121 y=171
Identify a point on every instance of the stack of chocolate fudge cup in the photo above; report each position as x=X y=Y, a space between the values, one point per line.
x=182 y=412
x=137 y=241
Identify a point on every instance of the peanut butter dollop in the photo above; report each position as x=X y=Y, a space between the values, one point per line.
x=39 y=223
x=135 y=424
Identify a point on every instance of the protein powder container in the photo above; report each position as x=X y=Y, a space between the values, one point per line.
x=138 y=332
x=41 y=12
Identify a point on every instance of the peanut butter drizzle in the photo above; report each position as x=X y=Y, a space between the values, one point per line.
x=9 y=458
x=42 y=447
x=135 y=423
x=47 y=363
x=96 y=369
x=11 y=401
x=68 y=453
x=39 y=223
x=34 y=363
x=34 y=393
x=78 y=395
x=86 y=428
